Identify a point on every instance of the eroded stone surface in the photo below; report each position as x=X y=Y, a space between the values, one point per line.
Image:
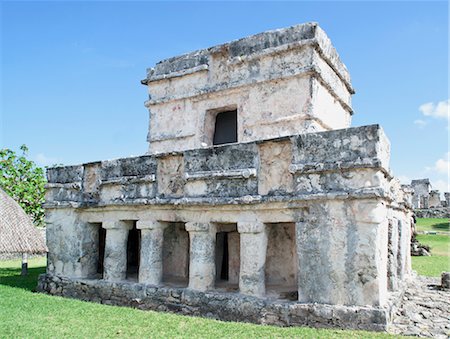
x=424 y=310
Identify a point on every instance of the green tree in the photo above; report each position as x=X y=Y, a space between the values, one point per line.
x=22 y=180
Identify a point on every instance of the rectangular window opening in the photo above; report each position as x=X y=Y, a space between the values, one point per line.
x=225 y=130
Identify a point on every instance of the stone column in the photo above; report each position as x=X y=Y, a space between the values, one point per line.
x=151 y=261
x=202 y=267
x=253 y=258
x=115 y=262
x=393 y=254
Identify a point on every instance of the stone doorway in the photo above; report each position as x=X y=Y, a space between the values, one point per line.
x=227 y=257
x=176 y=255
x=133 y=252
x=101 y=250
x=281 y=262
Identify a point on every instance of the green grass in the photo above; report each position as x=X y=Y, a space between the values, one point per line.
x=430 y=266
x=24 y=314
x=433 y=225
x=439 y=261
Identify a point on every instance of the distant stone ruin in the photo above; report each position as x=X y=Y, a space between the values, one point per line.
x=256 y=201
x=427 y=202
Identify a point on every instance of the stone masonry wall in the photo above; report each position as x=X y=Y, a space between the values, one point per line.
x=227 y=307
x=281 y=83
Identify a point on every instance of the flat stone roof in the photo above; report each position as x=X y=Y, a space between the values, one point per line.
x=307 y=33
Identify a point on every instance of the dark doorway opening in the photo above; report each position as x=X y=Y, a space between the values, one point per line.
x=227 y=257
x=222 y=247
x=133 y=252
x=225 y=130
x=101 y=249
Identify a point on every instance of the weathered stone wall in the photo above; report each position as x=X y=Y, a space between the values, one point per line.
x=421 y=189
x=443 y=212
x=281 y=83
x=434 y=199
x=222 y=306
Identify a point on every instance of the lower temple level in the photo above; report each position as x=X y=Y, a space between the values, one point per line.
x=228 y=306
x=307 y=230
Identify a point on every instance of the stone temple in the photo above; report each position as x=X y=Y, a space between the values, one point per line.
x=256 y=201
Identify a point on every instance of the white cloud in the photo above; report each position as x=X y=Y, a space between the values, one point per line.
x=442 y=165
x=42 y=160
x=440 y=185
x=439 y=110
x=420 y=123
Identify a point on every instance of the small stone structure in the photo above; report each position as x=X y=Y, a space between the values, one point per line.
x=256 y=201
x=426 y=202
x=424 y=197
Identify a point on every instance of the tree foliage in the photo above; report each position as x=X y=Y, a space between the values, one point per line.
x=22 y=180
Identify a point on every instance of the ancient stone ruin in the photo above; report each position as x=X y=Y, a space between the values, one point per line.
x=427 y=202
x=256 y=201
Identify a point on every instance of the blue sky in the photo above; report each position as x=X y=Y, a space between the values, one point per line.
x=71 y=71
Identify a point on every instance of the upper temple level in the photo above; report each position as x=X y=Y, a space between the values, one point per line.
x=273 y=84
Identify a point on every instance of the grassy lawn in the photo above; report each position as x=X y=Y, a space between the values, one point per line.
x=24 y=314
x=440 y=247
x=433 y=225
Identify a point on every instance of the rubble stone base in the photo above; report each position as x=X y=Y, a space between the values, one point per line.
x=217 y=305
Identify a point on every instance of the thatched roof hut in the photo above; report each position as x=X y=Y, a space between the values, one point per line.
x=17 y=232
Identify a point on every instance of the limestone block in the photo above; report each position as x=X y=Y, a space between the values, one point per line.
x=360 y=147
x=342 y=257
x=91 y=177
x=336 y=180
x=445 y=280
x=170 y=176
x=274 y=175
x=64 y=235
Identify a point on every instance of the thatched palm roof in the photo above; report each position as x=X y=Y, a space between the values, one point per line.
x=17 y=232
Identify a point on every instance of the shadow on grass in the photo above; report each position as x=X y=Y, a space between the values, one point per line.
x=11 y=277
x=443 y=226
